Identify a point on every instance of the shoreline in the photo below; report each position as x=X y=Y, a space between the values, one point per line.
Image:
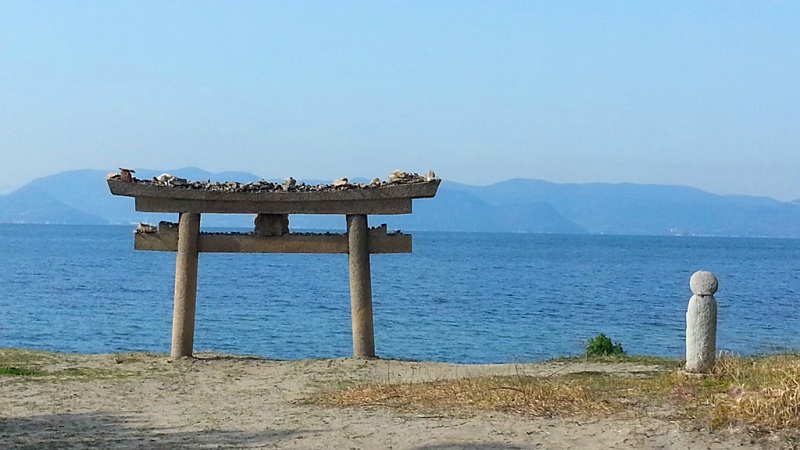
x=142 y=400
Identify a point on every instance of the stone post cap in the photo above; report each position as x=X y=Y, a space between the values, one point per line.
x=703 y=283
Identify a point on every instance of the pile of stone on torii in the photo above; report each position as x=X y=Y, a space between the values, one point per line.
x=290 y=185
x=272 y=203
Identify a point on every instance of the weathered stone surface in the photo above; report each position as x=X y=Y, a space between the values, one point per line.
x=701 y=333
x=360 y=287
x=271 y=224
x=166 y=239
x=126 y=174
x=185 y=286
x=703 y=283
x=289 y=185
x=272 y=203
x=397 y=177
x=145 y=228
x=701 y=323
x=365 y=206
x=350 y=199
x=274 y=192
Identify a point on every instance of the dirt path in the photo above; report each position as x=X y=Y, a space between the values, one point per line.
x=145 y=401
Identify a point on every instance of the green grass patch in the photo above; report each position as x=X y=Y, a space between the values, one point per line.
x=16 y=371
x=12 y=357
x=33 y=365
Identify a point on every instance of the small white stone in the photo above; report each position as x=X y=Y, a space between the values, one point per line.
x=397 y=176
x=145 y=228
x=703 y=283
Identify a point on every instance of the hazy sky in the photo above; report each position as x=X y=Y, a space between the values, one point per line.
x=701 y=93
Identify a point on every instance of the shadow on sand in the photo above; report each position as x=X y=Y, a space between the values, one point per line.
x=98 y=430
x=467 y=446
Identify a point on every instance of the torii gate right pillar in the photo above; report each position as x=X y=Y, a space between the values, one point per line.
x=360 y=286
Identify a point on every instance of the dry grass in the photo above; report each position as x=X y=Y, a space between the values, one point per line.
x=584 y=393
x=667 y=363
x=760 y=393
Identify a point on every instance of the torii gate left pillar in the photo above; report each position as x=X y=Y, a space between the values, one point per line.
x=185 y=285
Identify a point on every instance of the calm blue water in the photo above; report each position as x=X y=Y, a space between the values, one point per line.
x=460 y=297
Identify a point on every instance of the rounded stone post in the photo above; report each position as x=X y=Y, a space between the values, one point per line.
x=360 y=286
x=701 y=323
x=185 y=285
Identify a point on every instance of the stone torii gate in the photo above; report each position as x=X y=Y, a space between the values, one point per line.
x=272 y=203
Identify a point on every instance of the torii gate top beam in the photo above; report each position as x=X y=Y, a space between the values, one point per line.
x=383 y=199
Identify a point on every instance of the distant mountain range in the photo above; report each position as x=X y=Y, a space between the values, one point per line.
x=516 y=206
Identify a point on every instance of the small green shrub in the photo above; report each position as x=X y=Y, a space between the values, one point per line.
x=604 y=346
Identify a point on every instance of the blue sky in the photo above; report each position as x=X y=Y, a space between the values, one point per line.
x=705 y=94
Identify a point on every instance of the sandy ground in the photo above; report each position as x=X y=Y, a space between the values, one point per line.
x=218 y=401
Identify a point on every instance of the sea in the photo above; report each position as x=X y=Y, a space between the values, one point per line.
x=459 y=297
